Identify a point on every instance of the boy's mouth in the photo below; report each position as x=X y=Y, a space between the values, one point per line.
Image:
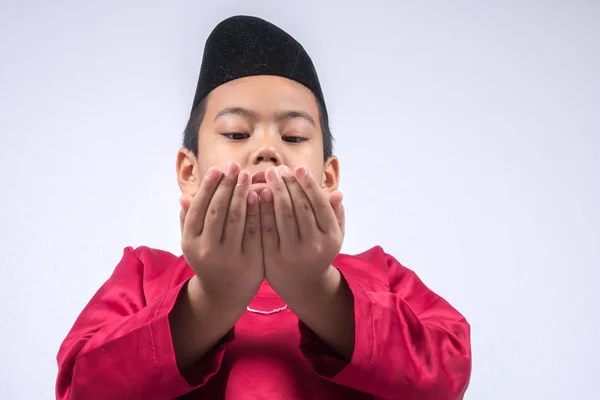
x=259 y=177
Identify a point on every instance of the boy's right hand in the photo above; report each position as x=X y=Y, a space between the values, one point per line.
x=221 y=238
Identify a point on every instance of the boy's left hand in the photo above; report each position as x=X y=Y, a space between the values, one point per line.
x=302 y=231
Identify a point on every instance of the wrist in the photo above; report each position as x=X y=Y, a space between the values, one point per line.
x=206 y=302
x=312 y=294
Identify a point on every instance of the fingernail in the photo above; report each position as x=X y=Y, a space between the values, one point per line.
x=212 y=174
x=231 y=169
x=272 y=174
x=268 y=195
x=301 y=172
x=251 y=198
x=243 y=178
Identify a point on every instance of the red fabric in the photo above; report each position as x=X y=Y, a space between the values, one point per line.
x=409 y=342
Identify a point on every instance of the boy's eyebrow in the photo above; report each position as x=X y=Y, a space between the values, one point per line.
x=295 y=114
x=243 y=112
x=280 y=116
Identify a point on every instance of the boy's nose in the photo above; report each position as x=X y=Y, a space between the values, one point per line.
x=266 y=154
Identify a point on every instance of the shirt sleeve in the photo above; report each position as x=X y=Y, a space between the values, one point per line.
x=120 y=347
x=409 y=342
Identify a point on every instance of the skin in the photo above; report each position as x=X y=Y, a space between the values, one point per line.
x=287 y=230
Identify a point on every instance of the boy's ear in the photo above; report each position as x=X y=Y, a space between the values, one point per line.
x=187 y=172
x=331 y=175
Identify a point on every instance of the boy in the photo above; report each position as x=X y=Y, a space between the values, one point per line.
x=261 y=305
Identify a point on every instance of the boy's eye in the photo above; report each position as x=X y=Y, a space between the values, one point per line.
x=236 y=136
x=294 y=139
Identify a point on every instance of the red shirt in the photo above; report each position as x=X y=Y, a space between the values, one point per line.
x=409 y=342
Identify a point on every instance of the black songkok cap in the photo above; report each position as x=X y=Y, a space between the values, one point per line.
x=243 y=46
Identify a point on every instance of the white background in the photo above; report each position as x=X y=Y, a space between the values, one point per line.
x=468 y=134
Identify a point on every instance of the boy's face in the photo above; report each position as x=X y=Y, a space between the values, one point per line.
x=258 y=122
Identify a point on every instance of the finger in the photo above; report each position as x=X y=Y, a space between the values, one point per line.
x=233 y=231
x=282 y=203
x=335 y=199
x=219 y=204
x=194 y=220
x=342 y=219
x=305 y=216
x=324 y=214
x=270 y=235
x=185 y=200
x=251 y=244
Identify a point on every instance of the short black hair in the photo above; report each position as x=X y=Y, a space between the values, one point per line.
x=190 y=134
